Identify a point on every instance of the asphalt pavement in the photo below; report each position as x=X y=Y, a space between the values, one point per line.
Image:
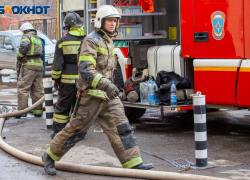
x=160 y=142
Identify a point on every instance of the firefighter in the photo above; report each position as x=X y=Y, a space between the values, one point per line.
x=65 y=70
x=99 y=98
x=30 y=69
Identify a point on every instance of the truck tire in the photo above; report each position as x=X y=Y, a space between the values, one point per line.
x=133 y=114
x=117 y=76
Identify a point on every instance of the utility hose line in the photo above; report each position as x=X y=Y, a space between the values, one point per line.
x=97 y=170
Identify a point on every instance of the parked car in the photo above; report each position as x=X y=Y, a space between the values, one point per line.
x=9 y=45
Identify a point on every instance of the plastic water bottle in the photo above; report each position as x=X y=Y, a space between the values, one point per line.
x=151 y=93
x=156 y=90
x=173 y=96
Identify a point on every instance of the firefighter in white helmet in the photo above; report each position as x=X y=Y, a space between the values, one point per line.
x=99 y=98
x=30 y=69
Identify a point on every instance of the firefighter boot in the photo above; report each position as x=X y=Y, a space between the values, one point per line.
x=49 y=164
x=144 y=166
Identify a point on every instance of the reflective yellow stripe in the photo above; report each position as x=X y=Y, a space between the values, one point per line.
x=96 y=80
x=55 y=76
x=88 y=58
x=60 y=120
x=96 y=93
x=33 y=64
x=70 y=81
x=70 y=49
x=56 y=72
x=244 y=69
x=69 y=43
x=54 y=157
x=37 y=112
x=102 y=50
x=132 y=162
x=60 y=116
x=113 y=52
x=25 y=39
x=19 y=54
x=70 y=76
x=133 y=165
x=36 y=41
x=32 y=49
x=205 y=68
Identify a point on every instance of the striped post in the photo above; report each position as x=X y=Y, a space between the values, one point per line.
x=47 y=84
x=200 y=129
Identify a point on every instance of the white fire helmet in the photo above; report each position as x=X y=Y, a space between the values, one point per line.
x=26 y=26
x=106 y=11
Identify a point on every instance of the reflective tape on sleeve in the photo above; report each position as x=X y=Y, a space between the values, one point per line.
x=102 y=50
x=96 y=80
x=88 y=58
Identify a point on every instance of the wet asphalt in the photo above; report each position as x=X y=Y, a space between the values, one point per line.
x=160 y=141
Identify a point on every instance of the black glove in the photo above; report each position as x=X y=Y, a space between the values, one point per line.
x=57 y=85
x=111 y=90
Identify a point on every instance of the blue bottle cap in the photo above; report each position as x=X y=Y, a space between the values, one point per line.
x=173 y=82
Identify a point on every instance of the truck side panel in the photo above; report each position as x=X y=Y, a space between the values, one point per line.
x=222 y=21
x=243 y=85
x=247 y=28
x=217 y=80
x=187 y=28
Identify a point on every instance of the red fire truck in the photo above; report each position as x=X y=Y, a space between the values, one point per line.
x=205 y=41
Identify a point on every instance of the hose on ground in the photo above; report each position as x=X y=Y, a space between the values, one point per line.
x=97 y=170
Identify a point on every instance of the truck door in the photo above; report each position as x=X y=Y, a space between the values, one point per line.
x=218 y=29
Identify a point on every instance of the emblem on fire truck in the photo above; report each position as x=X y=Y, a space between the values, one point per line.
x=218 y=21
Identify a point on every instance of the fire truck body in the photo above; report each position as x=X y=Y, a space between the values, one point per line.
x=206 y=41
x=216 y=34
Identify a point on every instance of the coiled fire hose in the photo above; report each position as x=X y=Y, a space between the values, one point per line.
x=97 y=170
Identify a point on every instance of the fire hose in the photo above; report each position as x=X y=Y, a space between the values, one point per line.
x=97 y=170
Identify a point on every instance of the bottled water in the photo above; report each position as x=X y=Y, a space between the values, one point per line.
x=151 y=93
x=156 y=90
x=173 y=96
x=144 y=93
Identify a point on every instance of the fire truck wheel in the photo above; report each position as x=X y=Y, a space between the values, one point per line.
x=133 y=114
x=117 y=76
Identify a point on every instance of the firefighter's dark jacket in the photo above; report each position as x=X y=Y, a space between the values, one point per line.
x=64 y=67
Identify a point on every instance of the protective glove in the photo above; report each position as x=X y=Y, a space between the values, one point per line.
x=57 y=85
x=111 y=90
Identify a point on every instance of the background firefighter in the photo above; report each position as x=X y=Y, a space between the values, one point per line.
x=65 y=70
x=30 y=69
x=99 y=99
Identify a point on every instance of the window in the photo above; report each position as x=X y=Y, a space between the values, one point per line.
x=17 y=40
x=5 y=41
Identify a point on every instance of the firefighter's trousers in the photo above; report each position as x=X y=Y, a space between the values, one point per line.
x=66 y=101
x=110 y=115
x=30 y=82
